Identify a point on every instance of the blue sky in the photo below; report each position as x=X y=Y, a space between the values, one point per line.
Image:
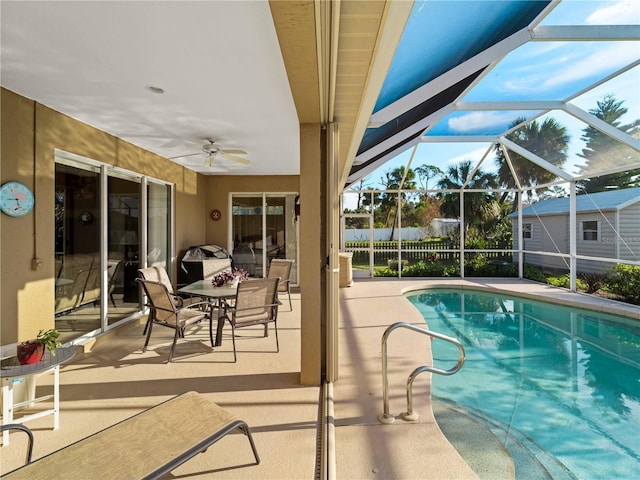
x=543 y=71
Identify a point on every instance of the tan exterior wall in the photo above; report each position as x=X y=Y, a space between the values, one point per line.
x=30 y=133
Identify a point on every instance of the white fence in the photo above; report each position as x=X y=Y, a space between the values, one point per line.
x=439 y=227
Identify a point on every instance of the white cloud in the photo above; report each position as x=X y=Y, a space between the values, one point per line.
x=629 y=10
x=474 y=155
x=475 y=121
x=601 y=61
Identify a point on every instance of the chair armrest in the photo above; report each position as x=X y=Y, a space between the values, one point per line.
x=178 y=300
x=208 y=305
x=234 y=309
x=17 y=426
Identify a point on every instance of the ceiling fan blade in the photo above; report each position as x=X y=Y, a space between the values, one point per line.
x=187 y=155
x=234 y=152
x=234 y=158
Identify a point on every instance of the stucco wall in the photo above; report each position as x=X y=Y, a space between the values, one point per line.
x=30 y=133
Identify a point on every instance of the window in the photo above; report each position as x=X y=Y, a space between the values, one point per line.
x=527 y=229
x=590 y=230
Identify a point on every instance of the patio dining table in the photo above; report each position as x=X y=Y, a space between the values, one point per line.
x=204 y=288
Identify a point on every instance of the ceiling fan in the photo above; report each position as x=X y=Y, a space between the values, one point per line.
x=213 y=152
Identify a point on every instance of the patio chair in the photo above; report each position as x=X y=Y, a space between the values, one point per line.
x=281 y=268
x=165 y=312
x=256 y=303
x=113 y=273
x=159 y=274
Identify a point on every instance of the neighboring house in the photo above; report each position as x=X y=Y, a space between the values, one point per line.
x=608 y=226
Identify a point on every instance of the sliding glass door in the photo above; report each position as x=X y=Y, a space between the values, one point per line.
x=123 y=245
x=108 y=224
x=263 y=227
x=77 y=249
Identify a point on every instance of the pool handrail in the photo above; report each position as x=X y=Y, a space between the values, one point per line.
x=386 y=417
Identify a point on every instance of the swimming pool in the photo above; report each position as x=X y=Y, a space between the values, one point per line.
x=562 y=383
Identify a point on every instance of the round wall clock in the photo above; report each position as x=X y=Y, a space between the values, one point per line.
x=16 y=200
x=215 y=215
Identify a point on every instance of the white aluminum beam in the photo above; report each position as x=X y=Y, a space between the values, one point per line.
x=577 y=33
x=603 y=126
x=535 y=159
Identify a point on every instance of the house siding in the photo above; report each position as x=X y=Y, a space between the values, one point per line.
x=602 y=247
x=629 y=241
x=550 y=233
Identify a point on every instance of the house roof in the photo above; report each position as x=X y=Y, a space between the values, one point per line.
x=611 y=200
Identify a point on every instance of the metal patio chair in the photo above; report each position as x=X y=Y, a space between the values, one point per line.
x=166 y=313
x=256 y=303
x=159 y=274
x=281 y=268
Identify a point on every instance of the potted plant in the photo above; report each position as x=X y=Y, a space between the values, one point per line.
x=229 y=277
x=32 y=351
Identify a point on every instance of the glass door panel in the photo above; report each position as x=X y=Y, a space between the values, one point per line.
x=358 y=239
x=77 y=250
x=158 y=201
x=281 y=237
x=263 y=228
x=247 y=232
x=123 y=225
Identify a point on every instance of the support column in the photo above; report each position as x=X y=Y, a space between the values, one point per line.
x=312 y=260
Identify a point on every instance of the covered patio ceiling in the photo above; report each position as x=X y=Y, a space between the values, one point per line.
x=464 y=71
x=247 y=74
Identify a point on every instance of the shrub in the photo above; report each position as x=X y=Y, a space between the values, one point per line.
x=385 y=272
x=624 y=280
x=533 y=273
x=563 y=281
x=592 y=281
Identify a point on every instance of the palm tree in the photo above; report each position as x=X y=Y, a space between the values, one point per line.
x=388 y=202
x=603 y=152
x=548 y=140
x=479 y=207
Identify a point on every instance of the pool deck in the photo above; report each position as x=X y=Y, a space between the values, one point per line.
x=115 y=380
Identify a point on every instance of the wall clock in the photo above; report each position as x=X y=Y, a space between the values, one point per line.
x=86 y=218
x=16 y=199
x=215 y=215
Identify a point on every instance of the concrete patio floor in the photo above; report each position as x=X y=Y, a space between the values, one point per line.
x=116 y=380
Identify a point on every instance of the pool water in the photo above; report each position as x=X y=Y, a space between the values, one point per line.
x=562 y=382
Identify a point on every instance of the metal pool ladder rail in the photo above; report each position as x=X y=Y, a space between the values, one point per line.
x=386 y=417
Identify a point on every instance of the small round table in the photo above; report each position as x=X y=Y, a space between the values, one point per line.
x=10 y=369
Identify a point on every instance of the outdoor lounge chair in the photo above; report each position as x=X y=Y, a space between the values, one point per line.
x=165 y=312
x=281 y=268
x=148 y=445
x=17 y=426
x=256 y=303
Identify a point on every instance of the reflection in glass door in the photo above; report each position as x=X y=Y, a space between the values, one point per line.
x=123 y=237
x=263 y=228
x=158 y=226
x=357 y=237
x=100 y=231
x=77 y=250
